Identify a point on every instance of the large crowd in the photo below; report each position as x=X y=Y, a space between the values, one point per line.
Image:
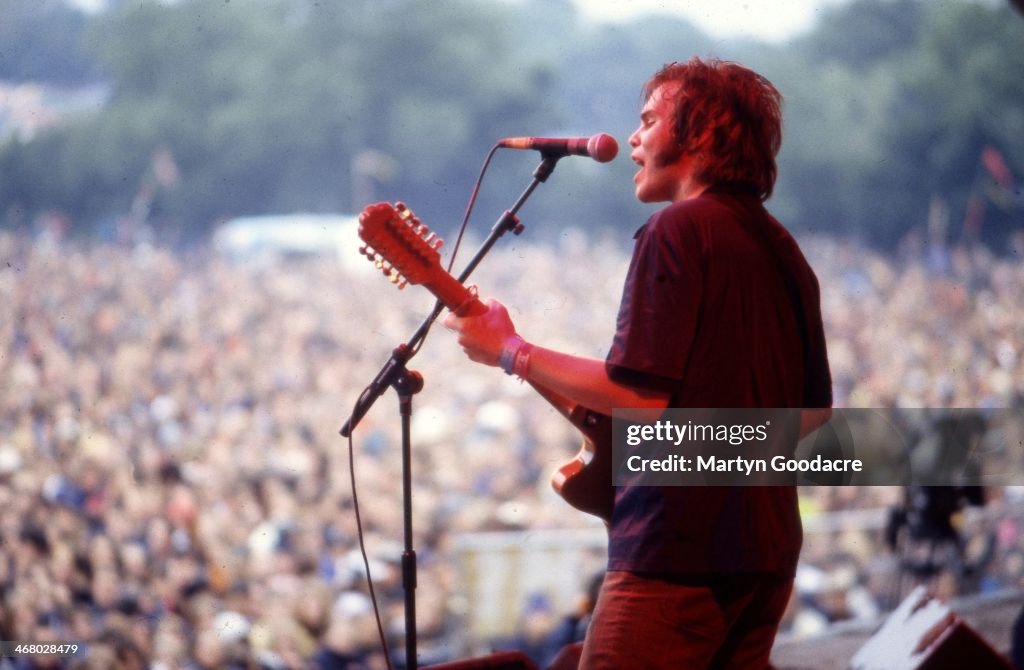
x=175 y=493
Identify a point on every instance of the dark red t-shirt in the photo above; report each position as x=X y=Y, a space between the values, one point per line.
x=708 y=315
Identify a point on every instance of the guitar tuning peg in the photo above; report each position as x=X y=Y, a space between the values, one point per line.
x=378 y=263
x=429 y=239
x=438 y=243
x=400 y=206
x=403 y=283
x=395 y=277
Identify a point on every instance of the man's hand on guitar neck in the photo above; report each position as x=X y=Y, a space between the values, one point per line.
x=578 y=379
x=482 y=335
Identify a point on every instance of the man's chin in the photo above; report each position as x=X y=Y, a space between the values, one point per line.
x=644 y=196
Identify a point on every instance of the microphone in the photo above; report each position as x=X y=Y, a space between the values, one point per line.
x=601 y=147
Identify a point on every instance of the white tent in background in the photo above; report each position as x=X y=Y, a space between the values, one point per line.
x=292 y=235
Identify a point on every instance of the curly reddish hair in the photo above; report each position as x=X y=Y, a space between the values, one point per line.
x=728 y=115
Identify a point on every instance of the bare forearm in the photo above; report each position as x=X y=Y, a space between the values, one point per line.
x=585 y=381
x=575 y=380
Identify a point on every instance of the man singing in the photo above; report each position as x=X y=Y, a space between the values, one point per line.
x=719 y=310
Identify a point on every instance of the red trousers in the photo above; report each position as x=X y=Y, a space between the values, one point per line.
x=716 y=622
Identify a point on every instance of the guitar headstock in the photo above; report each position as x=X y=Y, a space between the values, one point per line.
x=400 y=246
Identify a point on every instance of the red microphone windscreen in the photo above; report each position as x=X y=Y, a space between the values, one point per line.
x=602 y=147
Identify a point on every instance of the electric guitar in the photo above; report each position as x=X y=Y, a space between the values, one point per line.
x=406 y=251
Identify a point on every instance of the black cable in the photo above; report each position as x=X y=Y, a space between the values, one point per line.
x=438 y=306
x=362 y=550
x=471 y=204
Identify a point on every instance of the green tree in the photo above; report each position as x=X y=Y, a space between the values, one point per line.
x=863 y=33
x=265 y=106
x=960 y=91
x=274 y=106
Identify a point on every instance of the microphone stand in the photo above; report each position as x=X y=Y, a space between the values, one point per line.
x=407 y=383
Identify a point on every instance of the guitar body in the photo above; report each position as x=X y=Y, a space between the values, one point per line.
x=407 y=252
x=585 y=482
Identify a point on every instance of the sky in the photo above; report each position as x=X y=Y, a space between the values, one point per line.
x=770 y=20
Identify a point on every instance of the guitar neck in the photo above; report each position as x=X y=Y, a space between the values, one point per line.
x=454 y=295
